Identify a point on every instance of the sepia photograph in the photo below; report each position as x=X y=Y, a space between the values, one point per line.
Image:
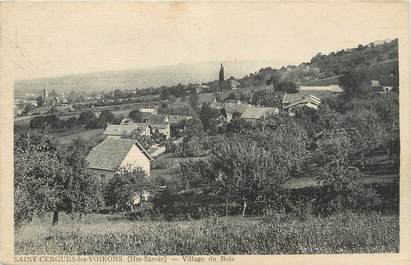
x=205 y=128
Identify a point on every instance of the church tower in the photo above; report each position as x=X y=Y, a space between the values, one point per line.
x=221 y=74
x=45 y=93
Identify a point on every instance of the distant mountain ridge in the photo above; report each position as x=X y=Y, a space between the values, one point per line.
x=167 y=75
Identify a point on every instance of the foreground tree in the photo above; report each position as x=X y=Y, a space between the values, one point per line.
x=52 y=179
x=248 y=168
x=339 y=160
x=126 y=184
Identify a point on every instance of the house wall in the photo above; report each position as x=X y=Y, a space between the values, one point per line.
x=103 y=175
x=136 y=158
x=166 y=131
x=146 y=131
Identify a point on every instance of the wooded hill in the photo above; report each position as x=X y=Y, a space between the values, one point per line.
x=371 y=58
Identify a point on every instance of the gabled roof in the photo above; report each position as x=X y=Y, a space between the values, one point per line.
x=114 y=129
x=109 y=154
x=258 y=112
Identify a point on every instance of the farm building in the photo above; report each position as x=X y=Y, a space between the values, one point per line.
x=117 y=131
x=230 y=108
x=383 y=86
x=331 y=84
x=254 y=113
x=177 y=125
x=104 y=159
x=160 y=124
x=175 y=119
x=292 y=101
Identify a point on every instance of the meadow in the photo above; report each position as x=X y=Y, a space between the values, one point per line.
x=98 y=234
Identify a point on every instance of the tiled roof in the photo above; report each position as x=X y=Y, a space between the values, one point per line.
x=234 y=107
x=206 y=98
x=158 y=119
x=309 y=101
x=114 y=129
x=159 y=125
x=174 y=119
x=334 y=80
x=292 y=98
x=109 y=154
x=257 y=112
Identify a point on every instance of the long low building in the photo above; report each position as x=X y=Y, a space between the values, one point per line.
x=329 y=88
x=118 y=130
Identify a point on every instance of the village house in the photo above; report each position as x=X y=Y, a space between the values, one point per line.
x=252 y=113
x=230 y=108
x=105 y=159
x=299 y=100
x=177 y=123
x=382 y=86
x=159 y=124
x=117 y=131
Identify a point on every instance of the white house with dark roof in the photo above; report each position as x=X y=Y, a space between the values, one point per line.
x=160 y=124
x=104 y=159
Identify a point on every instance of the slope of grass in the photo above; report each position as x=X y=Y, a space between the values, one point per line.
x=105 y=234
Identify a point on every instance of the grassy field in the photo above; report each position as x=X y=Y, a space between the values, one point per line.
x=85 y=135
x=110 y=234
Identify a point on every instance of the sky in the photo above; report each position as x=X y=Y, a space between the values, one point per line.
x=54 y=39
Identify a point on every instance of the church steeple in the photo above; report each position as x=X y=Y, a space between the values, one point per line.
x=221 y=74
x=45 y=92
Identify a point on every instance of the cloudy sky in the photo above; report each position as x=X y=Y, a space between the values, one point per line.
x=58 y=39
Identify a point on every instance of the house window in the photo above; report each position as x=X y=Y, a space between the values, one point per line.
x=102 y=178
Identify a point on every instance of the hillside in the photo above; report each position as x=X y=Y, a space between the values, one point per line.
x=376 y=56
x=143 y=78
